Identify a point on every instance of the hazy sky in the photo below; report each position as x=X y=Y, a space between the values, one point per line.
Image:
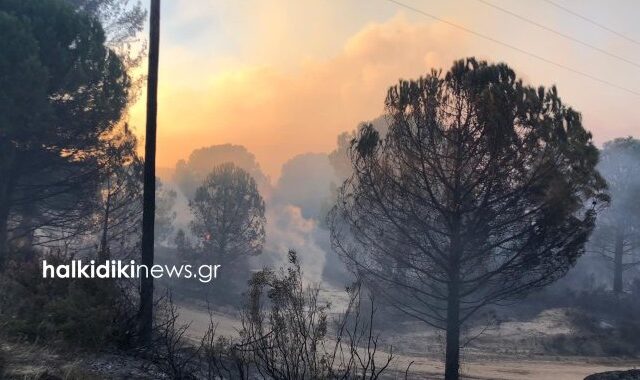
x=284 y=77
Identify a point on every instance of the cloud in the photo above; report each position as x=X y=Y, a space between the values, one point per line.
x=278 y=112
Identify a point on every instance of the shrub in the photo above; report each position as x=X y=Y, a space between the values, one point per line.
x=81 y=313
x=170 y=351
x=285 y=331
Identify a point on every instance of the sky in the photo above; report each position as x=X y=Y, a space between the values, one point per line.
x=285 y=77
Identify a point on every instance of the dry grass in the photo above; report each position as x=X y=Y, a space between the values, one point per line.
x=27 y=361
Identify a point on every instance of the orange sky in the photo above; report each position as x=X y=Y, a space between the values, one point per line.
x=285 y=78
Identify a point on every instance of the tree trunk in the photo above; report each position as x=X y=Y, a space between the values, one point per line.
x=8 y=175
x=103 y=255
x=149 y=206
x=617 y=262
x=4 y=233
x=452 y=359
x=24 y=233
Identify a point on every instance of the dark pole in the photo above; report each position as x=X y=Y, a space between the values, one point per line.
x=148 y=213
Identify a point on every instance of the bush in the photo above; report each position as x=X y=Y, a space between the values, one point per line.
x=285 y=331
x=170 y=351
x=81 y=313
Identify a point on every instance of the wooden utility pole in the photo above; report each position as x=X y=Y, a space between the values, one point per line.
x=148 y=213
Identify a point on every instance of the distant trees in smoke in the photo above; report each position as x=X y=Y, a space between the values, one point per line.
x=190 y=173
x=617 y=234
x=228 y=225
x=483 y=189
x=165 y=213
x=305 y=182
x=228 y=215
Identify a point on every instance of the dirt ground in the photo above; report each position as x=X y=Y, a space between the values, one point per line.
x=493 y=356
x=508 y=351
x=557 y=368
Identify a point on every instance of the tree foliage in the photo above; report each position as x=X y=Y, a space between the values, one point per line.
x=119 y=200
x=69 y=92
x=122 y=21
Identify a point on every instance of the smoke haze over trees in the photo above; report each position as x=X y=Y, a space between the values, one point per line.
x=304 y=183
x=189 y=174
x=474 y=223
x=617 y=236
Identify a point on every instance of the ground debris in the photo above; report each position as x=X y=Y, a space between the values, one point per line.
x=633 y=374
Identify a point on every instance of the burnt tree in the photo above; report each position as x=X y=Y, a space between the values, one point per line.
x=483 y=189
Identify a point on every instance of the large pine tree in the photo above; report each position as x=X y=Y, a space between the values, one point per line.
x=481 y=190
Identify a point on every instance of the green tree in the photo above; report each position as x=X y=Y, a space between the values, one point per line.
x=481 y=191
x=61 y=91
